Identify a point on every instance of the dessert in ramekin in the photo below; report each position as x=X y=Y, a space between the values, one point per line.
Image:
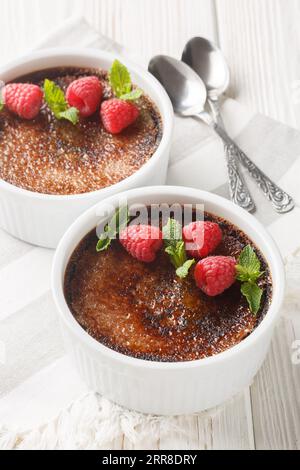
x=157 y=372
x=51 y=171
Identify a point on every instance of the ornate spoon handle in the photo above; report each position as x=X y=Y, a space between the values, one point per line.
x=238 y=190
x=280 y=200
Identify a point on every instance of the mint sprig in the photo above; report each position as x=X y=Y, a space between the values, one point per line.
x=118 y=221
x=133 y=95
x=253 y=295
x=1 y=100
x=120 y=81
x=248 y=271
x=55 y=98
x=183 y=270
x=175 y=248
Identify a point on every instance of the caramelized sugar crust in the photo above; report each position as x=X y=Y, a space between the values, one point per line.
x=146 y=311
x=52 y=156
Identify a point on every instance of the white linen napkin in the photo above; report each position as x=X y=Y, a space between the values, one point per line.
x=43 y=403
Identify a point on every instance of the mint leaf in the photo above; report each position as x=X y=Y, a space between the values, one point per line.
x=71 y=114
x=103 y=243
x=248 y=267
x=177 y=254
x=248 y=271
x=175 y=247
x=118 y=221
x=253 y=295
x=183 y=270
x=172 y=232
x=55 y=98
x=133 y=95
x=119 y=79
x=1 y=97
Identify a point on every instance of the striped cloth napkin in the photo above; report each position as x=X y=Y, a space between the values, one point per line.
x=43 y=402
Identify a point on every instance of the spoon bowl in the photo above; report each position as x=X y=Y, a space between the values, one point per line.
x=185 y=88
x=209 y=63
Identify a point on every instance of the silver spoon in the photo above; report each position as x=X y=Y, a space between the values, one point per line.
x=209 y=63
x=188 y=95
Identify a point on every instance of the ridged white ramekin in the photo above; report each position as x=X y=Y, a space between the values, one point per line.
x=168 y=388
x=42 y=219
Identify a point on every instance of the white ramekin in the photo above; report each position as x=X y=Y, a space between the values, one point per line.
x=168 y=388
x=42 y=219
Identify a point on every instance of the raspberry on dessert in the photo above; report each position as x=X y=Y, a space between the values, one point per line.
x=23 y=99
x=215 y=274
x=201 y=238
x=142 y=241
x=85 y=94
x=118 y=114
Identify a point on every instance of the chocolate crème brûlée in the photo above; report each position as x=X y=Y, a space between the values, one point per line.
x=160 y=300
x=49 y=154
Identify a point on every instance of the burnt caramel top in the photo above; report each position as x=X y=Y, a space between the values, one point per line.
x=52 y=156
x=146 y=311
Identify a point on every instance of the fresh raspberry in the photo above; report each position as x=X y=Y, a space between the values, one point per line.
x=215 y=274
x=201 y=238
x=142 y=241
x=118 y=114
x=85 y=94
x=23 y=99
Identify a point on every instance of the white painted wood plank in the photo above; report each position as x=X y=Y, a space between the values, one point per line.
x=255 y=37
x=231 y=427
x=275 y=395
x=145 y=26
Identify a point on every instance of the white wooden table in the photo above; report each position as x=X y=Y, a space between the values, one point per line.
x=260 y=39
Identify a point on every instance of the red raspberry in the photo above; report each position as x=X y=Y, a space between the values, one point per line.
x=142 y=241
x=215 y=274
x=23 y=99
x=85 y=94
x=118 y=114
x=201 y=238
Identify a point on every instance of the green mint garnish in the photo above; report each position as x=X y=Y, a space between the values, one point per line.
x=132 y=95
x=248 y=268
x=55 y=98
x=1 y=101
x=71 y=114
x=253 y=295
x=175 y=248
x=172 y=233
x=118 y=221
x=248 y=272
x=183 y=270
x=120 y=81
